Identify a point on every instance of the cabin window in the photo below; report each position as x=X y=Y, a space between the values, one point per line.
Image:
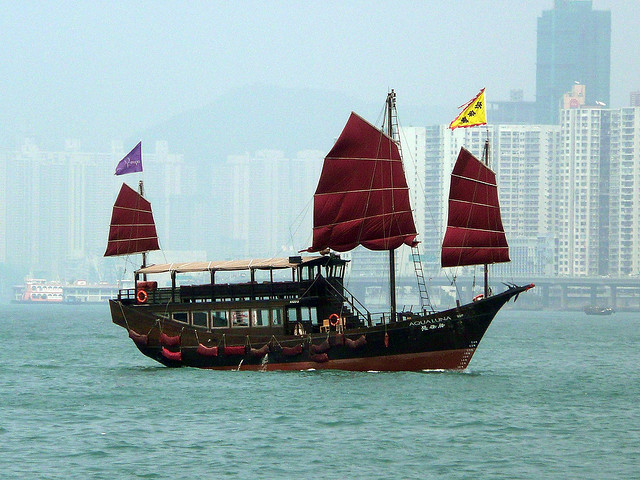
x=240 y=318
x=260 y=318
x=276 y=317
x=309 y=314
x=182 y=317
x=292 y=315
x=219 y=319
x=306 y=273
x=199 y=319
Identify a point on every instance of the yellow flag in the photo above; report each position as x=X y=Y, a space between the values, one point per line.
x=473 y=113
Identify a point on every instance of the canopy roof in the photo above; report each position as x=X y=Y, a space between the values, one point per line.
x=233 y=265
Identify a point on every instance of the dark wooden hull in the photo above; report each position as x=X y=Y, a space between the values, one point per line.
x=444 y=340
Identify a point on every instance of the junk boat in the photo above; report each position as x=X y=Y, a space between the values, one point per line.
x=295 y=313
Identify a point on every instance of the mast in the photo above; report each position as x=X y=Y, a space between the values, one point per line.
x=132 y=228
x=144 y=254
x=475 y=234
x=485 y=155
x=391 y=105
x=362 y=196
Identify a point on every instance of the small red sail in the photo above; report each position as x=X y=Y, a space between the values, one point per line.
x=362 y=196
x=474 y=235
x=132 y=227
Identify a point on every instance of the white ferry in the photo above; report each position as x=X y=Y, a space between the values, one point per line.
x=37 y=290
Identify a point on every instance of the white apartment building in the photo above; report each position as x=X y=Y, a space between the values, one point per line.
x=57 y=204
x=597 y=196
x=520 y=156
x=577 y=199
x=271 y=202
x=623 y=207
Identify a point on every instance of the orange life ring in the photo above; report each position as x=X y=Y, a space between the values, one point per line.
x=334 y=319
x=478 y=297
x=142 y=296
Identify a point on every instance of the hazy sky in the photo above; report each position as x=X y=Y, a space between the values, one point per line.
x=125 y=65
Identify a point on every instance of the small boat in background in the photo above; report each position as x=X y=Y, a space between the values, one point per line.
x=596 y=310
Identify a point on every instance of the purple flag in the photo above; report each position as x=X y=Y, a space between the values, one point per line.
x=132 y=162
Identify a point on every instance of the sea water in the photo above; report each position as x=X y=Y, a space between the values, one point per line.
x=547 y=395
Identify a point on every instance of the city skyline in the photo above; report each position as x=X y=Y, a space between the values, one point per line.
x=212 y=199
x=258 y=204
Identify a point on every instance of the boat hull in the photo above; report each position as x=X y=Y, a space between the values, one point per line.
x=599 y=310
x=440 y=341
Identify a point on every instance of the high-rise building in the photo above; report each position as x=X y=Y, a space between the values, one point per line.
x=520 y=155
x=621 y=128
x=574 y=43
x=54 y=219
x=270 y=202
x=514 y=111
x=582 y=177
x=596 y=185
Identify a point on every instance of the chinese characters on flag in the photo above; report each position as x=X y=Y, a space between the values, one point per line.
x=473 y=113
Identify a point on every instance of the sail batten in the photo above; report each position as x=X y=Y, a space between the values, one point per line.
x=364 y=190
x=132 y=228
x=362 y=196
x=475 y=234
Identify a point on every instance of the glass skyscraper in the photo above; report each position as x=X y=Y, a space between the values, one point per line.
x=574 y=44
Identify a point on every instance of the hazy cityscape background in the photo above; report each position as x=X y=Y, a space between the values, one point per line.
x=236 y=106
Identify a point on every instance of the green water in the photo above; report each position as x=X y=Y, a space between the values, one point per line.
x=547 y=395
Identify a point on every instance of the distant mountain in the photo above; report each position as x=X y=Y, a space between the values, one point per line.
x=262 y=117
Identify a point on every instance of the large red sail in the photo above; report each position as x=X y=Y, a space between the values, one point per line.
x=362 y=196
x=132 y=227
x=474 y=234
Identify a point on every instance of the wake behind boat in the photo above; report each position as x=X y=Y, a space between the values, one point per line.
x=295 y=312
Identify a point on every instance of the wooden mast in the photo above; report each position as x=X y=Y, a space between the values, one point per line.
x=485 y=155
x=144 y=254
x=391 y=103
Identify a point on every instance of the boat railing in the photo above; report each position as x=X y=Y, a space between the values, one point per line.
x=382 y=318
x=241 y=291
x=218 y=292
x=354 y=304
x=159 y=295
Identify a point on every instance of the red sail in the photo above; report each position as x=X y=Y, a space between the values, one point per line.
x=362 y=196
x=474 y=234
x=132 y=227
